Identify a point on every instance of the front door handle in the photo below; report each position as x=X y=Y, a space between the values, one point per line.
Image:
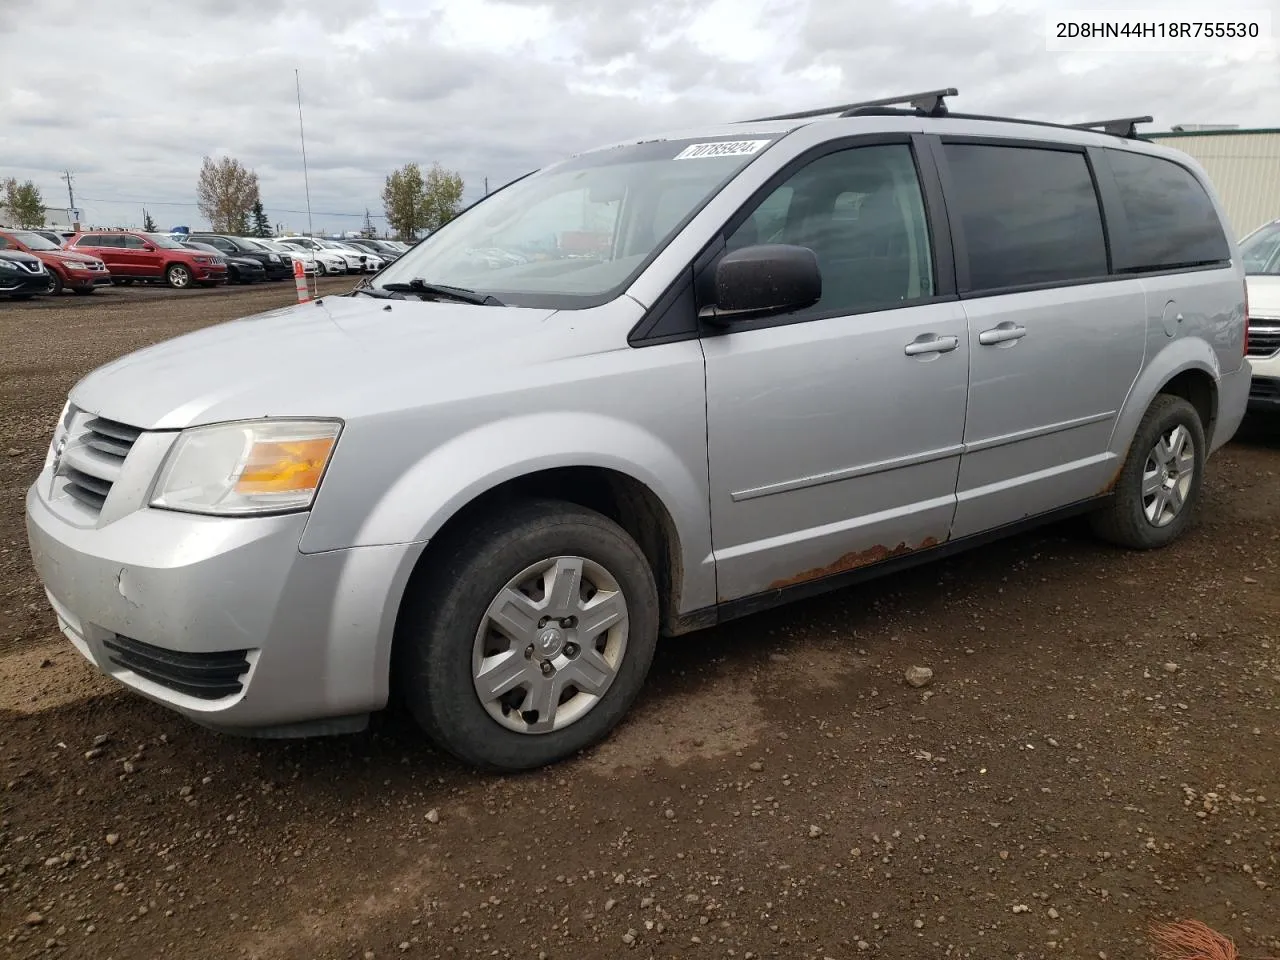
x=931 y=345
x=1002 y=334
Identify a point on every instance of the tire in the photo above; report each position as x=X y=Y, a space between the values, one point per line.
x=233 y=275
x=1127 y=520
x=320 y=270
x=55 y=286
x=440 y=645
x=178 y=276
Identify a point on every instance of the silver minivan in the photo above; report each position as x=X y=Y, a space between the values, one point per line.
x=646 y=390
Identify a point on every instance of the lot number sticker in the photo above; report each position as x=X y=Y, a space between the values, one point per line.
x=726 y=148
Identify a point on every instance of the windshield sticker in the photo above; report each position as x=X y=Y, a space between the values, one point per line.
x=725 y=148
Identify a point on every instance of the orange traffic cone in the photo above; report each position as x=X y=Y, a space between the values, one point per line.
x=300 y=281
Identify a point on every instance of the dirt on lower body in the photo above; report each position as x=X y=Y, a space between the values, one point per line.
x=1099 y=749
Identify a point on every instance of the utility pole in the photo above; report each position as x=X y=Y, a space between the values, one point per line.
x=486 y=186
x=71 y=198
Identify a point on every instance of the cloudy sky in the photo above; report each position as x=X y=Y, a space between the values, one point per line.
x=130 y=95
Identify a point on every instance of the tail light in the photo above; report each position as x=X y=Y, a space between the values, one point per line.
x=1246 y=318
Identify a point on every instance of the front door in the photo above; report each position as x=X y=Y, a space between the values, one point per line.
x=1055 y=343
x=834 y=432
x=145 y=259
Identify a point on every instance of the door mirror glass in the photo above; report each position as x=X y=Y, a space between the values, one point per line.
x=765 y=278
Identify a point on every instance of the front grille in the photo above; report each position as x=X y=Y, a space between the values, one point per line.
x=1264 y=339
x=209 y=676
x=93 y=457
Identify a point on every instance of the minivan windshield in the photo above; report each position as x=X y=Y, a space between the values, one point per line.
x=1261 y=250
x=577 y=233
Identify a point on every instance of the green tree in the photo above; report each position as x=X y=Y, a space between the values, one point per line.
x=226 y=192
x=402 y=200
x=442 y=197
x=148 y=222
x=261 y=225
x=24 y=202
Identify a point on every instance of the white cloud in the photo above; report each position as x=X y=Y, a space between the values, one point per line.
x=134 y=96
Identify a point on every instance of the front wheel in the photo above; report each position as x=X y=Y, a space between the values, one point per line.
x=528 y=639
x=1159 y=484
x=55 y=284
x=178 y=276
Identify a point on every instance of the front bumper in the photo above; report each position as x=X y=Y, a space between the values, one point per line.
x=25 y=283
x=1264 y=395
x=223 y=619
x=85 y=279
x=1264 y=391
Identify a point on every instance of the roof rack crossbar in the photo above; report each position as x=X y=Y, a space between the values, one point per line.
x=930 y=101
x=1120 y=127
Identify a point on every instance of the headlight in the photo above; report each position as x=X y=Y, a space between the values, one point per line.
x=233 y=469
x=8 y=265
x=273 y=257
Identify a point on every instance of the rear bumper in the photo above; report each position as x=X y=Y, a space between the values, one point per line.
x=1233 y=400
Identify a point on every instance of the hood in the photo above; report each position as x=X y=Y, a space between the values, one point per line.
x=67 y=256
x=19 y=256
x=337 y=356
x=1264 y=297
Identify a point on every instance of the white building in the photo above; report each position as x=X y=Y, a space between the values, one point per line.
x=1244 y=166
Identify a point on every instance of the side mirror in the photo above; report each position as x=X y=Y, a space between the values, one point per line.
x=149 y=247
x=765 y=278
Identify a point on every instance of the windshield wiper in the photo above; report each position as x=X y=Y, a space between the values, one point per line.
x=419 y=286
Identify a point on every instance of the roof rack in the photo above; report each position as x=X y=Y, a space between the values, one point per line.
x=1121 y=127
x=930 y=102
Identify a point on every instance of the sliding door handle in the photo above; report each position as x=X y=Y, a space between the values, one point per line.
x=1002 y=334
x=931 y=345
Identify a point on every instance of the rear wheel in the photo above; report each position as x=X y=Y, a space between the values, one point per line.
x=178 y=276
x=530 y=638
x=1159 y=484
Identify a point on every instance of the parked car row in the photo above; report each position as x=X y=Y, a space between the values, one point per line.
x=31 y=263
x=47 y=262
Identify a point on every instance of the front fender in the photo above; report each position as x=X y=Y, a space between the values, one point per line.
x=418 y=504
x=1179 y=356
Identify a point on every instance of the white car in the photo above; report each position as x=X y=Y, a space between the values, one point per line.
x=352 y=262
x=372 y=262
x=1260 y=251
x=310 y=266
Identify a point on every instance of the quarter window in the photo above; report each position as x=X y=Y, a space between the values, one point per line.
x=862 y=213
x=1171 y=220
x=1028 y=216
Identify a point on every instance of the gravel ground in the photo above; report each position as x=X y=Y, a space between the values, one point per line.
x=1097 y=749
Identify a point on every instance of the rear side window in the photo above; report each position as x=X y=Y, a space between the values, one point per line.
x=1171 y=220
x=1028 y=216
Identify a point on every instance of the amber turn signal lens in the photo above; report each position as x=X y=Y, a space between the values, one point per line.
x=284 y=466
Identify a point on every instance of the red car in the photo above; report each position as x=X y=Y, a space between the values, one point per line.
x=133 y=255
x=74 y=271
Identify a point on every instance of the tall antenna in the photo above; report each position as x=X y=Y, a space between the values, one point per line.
x=302 y=137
